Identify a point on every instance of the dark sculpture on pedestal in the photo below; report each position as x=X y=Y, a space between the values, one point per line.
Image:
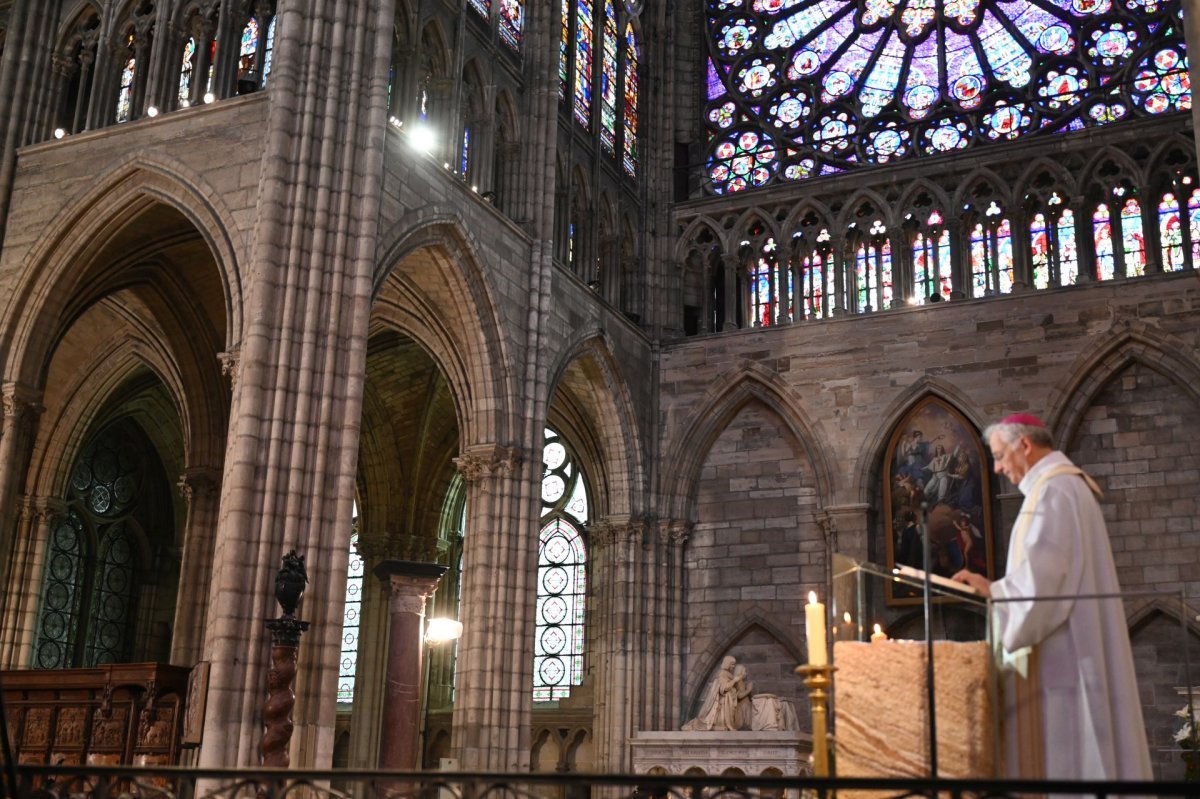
x=285 y=641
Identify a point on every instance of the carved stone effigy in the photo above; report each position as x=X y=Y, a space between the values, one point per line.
x=735 y=732
x=882 y=712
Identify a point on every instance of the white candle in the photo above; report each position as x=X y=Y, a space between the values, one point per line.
x=814 y=629
x=878 y=635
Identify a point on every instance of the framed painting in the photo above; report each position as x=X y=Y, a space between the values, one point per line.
x=935 y=485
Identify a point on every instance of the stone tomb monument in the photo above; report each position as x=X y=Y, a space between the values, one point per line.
x=735 y=732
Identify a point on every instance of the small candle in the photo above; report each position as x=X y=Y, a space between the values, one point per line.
x=878 y=635
x=814 y=629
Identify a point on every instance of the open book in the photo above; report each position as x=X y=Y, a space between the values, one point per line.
x=936 y=579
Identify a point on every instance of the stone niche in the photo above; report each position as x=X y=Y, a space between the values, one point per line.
x=882 y=709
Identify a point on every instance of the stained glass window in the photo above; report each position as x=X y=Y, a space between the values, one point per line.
x=584 y=20
x=1170 y=234
x=932 y=267
x=564 y=48
x=248 y=51
x=185 y=72
x=817 y=283
x=89 y=588
x=629 y=139
x=512 y=22
x=465 y=155
x=1106 y=265
x=562 y=574
x=1054 y=255
x=991 y=254
x=873 y=270
x=1194 y=226
x=482 y=6
x=608 y=79
x=125 y=93
x=764 y=286
x=270 y=49
x=351 y=620
x=828 y=85
x=1132 y=239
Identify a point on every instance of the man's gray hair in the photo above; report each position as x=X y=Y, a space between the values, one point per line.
x=1011 y=433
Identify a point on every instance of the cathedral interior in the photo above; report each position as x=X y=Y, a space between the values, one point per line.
x=622 y=311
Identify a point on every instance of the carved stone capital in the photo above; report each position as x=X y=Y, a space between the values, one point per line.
x=674 y=532
x=21 y=404
x=198 y=482
x=63 y=64
x=408 y=583
x=478 y=464
x=45 y=510
x=230 y=363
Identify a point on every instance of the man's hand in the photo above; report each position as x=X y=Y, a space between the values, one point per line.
x=977 y=581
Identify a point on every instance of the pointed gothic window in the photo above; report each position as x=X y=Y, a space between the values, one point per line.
x=630 y=117
x=873 y=270
x=481 y=6
x=817 y=277
x=1106 y=265
x=608 y=79
x=931 y=260
x=991 y=254
x=95 y=554
x=1170 y=234
x=351 y=619
x=825 y=86
x=186 y=69
x=584 y=22
x=512 y=22
x=248 y=52
x=269 y=50
x=1194 y=226
x=125 y=92
x=1133 y=240
x=1054 y=255
x=564 y=49
x=562 y=574
x=767 y=286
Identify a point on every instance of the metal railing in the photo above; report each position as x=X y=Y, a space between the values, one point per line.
x=93 y=782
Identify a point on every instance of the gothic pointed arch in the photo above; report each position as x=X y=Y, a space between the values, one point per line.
x=699 y=227
x=62 y=265
x=430 y=284
x=693 y=437
x=588 y=386
x=923 y=186
x=1126 y=344
x=864 y=203
x=870 y=455
x=753 y=620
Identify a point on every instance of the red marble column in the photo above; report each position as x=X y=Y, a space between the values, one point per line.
x=408 y=585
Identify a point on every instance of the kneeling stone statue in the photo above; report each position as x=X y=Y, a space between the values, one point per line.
x=731 y=704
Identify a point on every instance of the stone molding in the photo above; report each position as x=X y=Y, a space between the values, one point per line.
x=477 y=464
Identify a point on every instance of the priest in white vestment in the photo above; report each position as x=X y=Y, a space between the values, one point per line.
x=1071 y=654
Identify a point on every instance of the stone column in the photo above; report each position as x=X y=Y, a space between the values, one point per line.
x=37 y=518
x=22 y=407
x=729 y=297
x=289 y=475
x=408 y=584
x=200 y=489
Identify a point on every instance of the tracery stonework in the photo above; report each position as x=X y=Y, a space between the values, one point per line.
x=813 y=87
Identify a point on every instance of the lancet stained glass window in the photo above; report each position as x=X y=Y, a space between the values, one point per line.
x=562 y=574
x=351 y=621
x=125 y=92
x=828 y=85
x=932 y=267
x=1132 y=238
x=511 y=22
x=185 y=72
x=1170 y=234
x=629 y=141
x=269 y=49
x=248 y=51
x=584 y=20
x=89 y=588
x=608 y=79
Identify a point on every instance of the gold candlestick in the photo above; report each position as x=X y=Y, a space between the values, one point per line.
x=817 y=680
